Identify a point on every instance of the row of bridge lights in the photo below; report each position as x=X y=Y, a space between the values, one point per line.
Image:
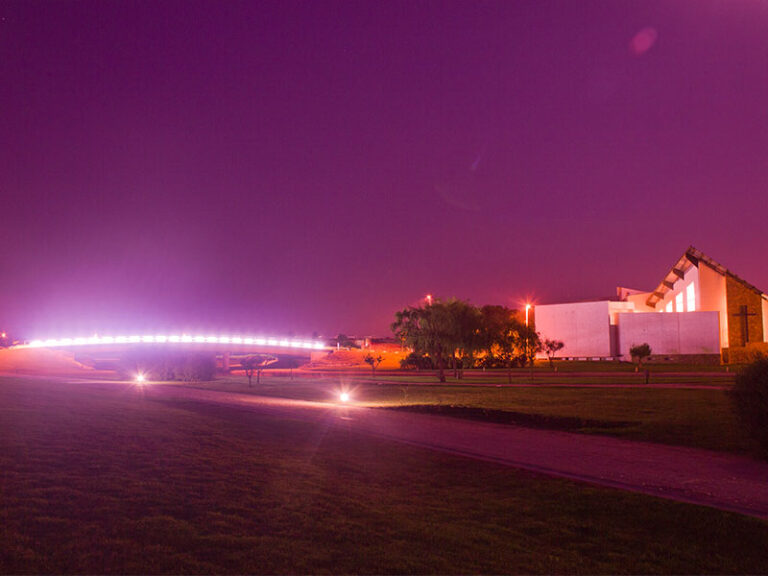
x=176 y=339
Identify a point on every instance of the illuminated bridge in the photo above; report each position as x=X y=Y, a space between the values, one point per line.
x=107 y=350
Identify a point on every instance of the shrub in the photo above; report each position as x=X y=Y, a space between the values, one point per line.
x=640 y=352
x=416 y=362
x=491 y=362
x=750 y=397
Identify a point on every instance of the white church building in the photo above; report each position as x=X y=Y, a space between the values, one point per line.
x=700 y=308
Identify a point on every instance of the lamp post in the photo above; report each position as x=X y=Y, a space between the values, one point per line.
x=527 y=335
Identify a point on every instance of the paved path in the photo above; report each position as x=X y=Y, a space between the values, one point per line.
x=702 y=477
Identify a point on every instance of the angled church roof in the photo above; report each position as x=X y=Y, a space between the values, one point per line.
x=693 y=257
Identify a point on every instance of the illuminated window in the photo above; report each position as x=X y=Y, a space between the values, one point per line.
x=669 y=306
x=679 y=302
x=690 y=297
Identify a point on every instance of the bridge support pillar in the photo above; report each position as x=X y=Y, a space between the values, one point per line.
x=225 y=362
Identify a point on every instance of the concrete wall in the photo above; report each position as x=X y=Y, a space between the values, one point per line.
x=616 y=308
x=584 y=327
x=674 y=333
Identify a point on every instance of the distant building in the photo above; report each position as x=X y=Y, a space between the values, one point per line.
x=700 y=308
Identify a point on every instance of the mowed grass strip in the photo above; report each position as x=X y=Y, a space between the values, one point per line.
x=104 y=480
x=698 y=417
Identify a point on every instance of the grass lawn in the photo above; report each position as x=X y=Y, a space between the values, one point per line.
x=567 y=373
x=104 y=480
x=700 y=418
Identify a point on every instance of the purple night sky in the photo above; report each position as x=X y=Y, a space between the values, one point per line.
x=284 y=167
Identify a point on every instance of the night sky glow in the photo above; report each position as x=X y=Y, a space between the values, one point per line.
x=300 y=167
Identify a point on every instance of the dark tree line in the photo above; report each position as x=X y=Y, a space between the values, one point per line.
x=454 y=334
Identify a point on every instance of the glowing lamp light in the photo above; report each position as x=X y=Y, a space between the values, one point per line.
x=140 y=378
x=344 y=396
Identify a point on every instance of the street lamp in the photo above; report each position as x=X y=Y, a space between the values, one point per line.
x=527 y=335
x=429 y=299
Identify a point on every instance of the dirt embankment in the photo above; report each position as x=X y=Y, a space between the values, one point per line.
x=355 y=358
x=41 y=361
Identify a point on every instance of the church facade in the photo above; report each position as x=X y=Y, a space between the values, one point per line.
x=700 y=308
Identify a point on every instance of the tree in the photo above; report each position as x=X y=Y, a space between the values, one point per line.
x=552 y=347
x=430 y=330
x=466 y=334
x=374 y=362
x=639 y=352
x=255 y=365
x=292 y=363
x=453 y=333
x=249 y=367
x=503 y=336
x=533 y=346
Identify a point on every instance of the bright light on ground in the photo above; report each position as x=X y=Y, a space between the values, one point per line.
x=344 y=396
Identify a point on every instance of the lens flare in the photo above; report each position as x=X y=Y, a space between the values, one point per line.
x=344 y=396
x=140 y=378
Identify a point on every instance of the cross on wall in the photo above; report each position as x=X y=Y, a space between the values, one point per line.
x=744 y=315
